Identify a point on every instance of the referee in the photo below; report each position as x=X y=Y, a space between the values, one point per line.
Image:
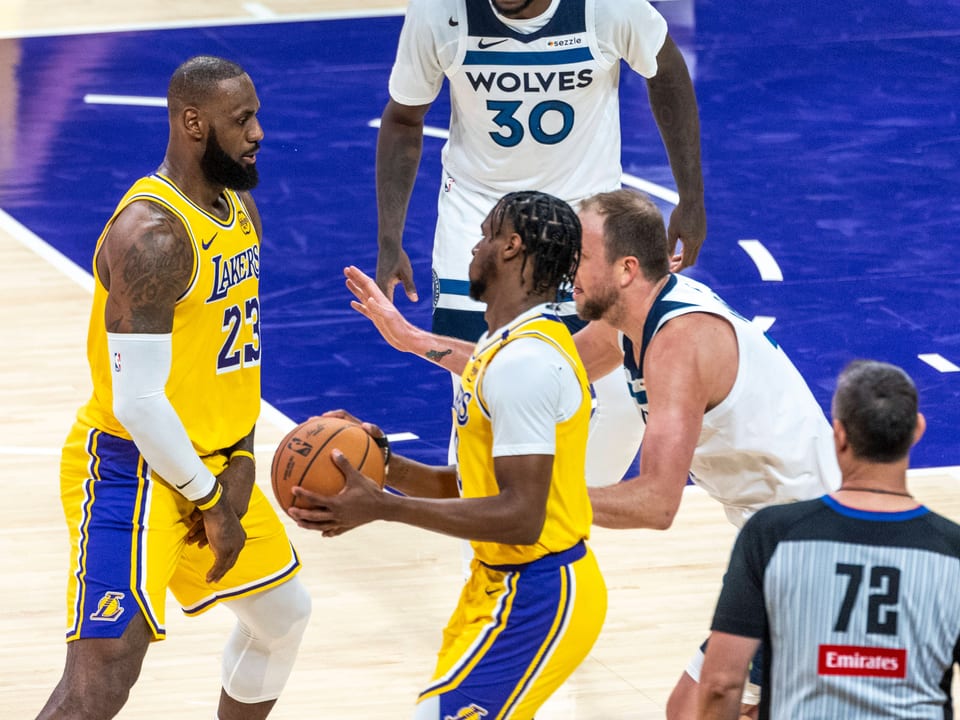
x=855 y=594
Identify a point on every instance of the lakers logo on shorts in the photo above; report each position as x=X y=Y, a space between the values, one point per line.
x=109 y=608
x=471 y=712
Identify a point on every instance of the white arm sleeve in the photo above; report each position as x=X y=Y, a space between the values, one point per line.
x=140 y=366
x=529 y=387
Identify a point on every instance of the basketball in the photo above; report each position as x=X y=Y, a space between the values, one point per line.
x=303 y=458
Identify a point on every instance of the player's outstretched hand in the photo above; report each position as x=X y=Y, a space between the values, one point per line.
x=394 y=268
x=226 y=538
x=688 y=224
x=374 y=305
x=359 y=502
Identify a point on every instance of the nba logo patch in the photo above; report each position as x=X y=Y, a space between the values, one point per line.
x=448 y=184
x=109 y=608
x=300 y=447
x=116 y=362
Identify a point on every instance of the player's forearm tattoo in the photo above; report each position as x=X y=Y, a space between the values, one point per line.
x=437 y=355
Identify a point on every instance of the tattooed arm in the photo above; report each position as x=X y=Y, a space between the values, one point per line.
x=449 y=353
x=145 y=263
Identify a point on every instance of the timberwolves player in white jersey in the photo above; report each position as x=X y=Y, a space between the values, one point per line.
x=767 y=442
x=854 y=593
x=534 y=106
x=720 y=401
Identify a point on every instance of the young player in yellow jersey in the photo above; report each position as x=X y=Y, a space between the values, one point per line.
x=535 y=600
x=157 y=474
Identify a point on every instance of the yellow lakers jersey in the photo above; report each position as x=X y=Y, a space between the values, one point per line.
x=214 y=382
x=569 y=513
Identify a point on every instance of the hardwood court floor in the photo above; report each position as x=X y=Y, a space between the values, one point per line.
x=381 y=594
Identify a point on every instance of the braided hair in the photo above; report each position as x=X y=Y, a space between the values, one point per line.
x=550 y=231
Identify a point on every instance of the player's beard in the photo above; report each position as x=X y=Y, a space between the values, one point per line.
x=596 y=308
x=512 y=13
x=486 y=270
x=220 y=168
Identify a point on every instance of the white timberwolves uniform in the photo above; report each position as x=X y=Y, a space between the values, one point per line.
x=859 y=609
x=534 y=106
x=768 y=442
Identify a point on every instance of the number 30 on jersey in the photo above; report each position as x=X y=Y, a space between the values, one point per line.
x=512 y=130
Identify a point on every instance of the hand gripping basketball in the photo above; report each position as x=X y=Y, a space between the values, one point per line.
x=303 y=457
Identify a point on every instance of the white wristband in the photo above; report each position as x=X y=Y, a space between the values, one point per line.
x=140 y=365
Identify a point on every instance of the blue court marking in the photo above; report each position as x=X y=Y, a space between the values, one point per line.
x=830 y=139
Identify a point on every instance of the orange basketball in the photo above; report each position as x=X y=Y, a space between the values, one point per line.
x=303 y=457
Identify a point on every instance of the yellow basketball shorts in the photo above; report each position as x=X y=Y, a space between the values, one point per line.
x=128 y=542
x=517 y=634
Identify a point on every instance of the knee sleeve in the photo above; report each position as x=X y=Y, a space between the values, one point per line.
x=428 y=709
x=260 y=652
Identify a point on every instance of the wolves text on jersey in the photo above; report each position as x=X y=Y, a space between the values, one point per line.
x=531 y=82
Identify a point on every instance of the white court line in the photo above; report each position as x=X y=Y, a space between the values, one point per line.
x=671 y=196
x=953 y=470
x=938 y=362
x=428 y=131
x=258 y=10
x=769 y=270
x=40 y=248
x=136 y=100
x=207 y=22
x=401 y=436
